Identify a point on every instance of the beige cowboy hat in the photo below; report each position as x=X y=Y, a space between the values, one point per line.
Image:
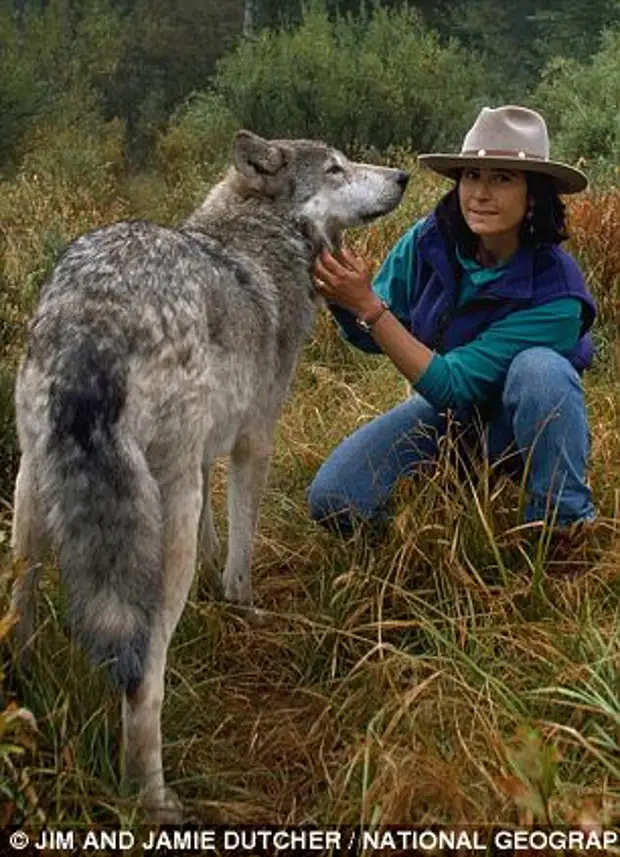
x=510 y=137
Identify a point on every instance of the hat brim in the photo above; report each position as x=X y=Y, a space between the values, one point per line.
x=567 y=179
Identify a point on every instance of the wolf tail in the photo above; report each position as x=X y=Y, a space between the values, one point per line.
x=104 y=514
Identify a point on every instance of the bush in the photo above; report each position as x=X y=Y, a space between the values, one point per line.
x=20 y=92
x=372 y=81
x=196 y=146
x=593 y=226
x=580 y=102
x=55 y=65
x=80 y=152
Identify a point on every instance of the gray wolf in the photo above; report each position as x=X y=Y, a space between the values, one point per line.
x=152 y=351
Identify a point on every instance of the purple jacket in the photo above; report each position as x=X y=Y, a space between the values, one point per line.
x=534 y=277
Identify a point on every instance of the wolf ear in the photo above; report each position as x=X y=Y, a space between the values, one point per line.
x=253 y=155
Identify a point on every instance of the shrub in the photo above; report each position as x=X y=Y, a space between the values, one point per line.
x=580 y=102
x=75 y=150
x=55 y=65
x=196 y=145
x=20 y=92
x=594 y=219
x=371 y=81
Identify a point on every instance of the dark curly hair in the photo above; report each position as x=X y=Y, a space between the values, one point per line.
x=546 y=225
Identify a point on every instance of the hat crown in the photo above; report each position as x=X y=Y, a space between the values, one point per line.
x=508 y=130
x=507 y=137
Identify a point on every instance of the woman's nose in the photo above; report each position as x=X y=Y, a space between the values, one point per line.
x=482 y=190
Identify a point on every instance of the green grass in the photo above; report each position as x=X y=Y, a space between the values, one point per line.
x=442 y=675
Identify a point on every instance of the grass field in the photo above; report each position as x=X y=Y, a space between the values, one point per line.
x=441 y=676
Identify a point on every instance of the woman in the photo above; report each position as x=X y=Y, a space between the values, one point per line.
x=486 y=316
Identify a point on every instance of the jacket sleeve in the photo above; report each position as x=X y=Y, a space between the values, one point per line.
x=393 y=283
x=475 y=373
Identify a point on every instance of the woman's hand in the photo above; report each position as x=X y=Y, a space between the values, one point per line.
x=344 y=279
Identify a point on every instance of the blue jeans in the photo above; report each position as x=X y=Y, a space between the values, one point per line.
x=542 y=414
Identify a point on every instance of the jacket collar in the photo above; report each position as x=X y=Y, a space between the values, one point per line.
x=517 y=283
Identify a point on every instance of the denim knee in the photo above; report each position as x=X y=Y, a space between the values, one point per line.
x=324 y=500
x=539 y=375
x=329 y=507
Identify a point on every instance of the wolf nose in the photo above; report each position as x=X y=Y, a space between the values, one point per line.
x=402 y=179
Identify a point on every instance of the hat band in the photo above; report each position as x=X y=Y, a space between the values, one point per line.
x=511 y=153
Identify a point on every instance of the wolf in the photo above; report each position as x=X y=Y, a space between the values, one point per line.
x=152 y=351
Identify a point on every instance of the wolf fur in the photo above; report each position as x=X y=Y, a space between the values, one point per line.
x=152 y=351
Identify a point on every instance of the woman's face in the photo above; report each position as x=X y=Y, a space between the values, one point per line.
x=493 y=201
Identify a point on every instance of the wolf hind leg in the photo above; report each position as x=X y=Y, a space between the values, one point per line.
x=27 y=546
x=247 y=475
x=142 y=741
x=209 y=543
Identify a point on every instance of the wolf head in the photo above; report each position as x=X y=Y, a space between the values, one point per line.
x=315 y=183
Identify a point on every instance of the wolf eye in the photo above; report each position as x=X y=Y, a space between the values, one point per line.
x=334 y=169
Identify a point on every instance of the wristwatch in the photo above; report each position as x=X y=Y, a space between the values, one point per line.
x=367 y=324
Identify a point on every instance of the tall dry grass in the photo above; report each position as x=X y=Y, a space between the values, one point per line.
x=442 y=675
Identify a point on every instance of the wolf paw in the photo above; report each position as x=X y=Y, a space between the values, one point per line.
x=237 y=590
x=163 y=808
x=242 y=601
x=254 y=617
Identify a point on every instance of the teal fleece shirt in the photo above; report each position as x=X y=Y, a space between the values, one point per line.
x=473 y=373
